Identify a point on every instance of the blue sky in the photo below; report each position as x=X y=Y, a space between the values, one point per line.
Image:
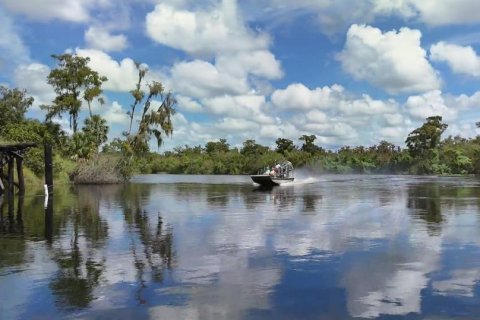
x=350 y=72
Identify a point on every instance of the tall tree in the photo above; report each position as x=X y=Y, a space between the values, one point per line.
x=250 y=147
x=14 y=103
x=427 y=137
x=284 y=145
x=69 y=79
x=212 y=147
x=308 y=143
x=154 y=121
x=96 y=130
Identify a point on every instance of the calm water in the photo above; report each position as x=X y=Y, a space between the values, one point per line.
x=203 y=247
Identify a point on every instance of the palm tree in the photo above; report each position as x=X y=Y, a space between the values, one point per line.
x=96 y=130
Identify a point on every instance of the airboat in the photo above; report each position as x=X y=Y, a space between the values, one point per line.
x=280 y=173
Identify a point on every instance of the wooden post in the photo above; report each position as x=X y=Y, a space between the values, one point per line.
x=1 y=212
x=10 y=160
x=48 y=168
x=20 y=204
x=2 y=187
x=49 y=220
x=21 y=179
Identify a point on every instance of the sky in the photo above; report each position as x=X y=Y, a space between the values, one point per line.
x=349 y=72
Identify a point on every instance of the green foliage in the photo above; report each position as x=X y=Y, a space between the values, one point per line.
x=217 y=147
x=250 y=147
x=14 y=103
x=37 y=132
x=69 y=79
x=284 y=145
x=154 y=121
x=309 y=145
x=427 y=137
x=96 y=130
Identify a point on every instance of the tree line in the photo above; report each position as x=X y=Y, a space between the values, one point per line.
x=85 y=155
x=425 y=153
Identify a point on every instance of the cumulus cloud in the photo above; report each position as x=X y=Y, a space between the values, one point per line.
x=33 y=78
x=446 y=12
x=462 y=60
x=12 y=49
x=338 y=117
x=298 y=97
x=122 y=75
x=260 y=63
x=240 y=106
x=336 y=16
x=237 y=125
x=393 y=61
x=219 y=30
x=188 y=104
x=98 y=38
x=115 y=114
x=201 y=79
x=430 y=104
x=69 y=10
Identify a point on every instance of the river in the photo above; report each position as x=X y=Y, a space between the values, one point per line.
x=216 y=247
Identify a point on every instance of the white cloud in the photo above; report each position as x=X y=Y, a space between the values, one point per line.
x=335 y=16
x=365 y=105
x=338 y=117
x=98 y=38
x=70 y=10
x=242 y=106
x=464 y=101
x=237 y=125
x=316 y=116
x=394 y=119
x=298 y=97
x=188 y=104
x=463 y=60
x=12 y=49
x=261 y=63
x=393 y=61
x=445 y=12
x=220 y=30
x=122 y=76
x=430 y=104
x=115 y=114
x=200 y=79
x=33 y=78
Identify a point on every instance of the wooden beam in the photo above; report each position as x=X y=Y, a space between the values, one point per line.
x=2 y=186
x=17 y=147
x=10 y=177
x=21 y=179
x=49 y=167
x=17 y=155
x=5 y=178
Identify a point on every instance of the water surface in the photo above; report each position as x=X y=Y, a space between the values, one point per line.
x=216 y=247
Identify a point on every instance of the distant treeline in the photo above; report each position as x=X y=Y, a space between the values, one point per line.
x=78 y=156
x=425 y=153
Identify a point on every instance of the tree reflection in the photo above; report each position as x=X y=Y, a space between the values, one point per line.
x=80 y=261
x=425 y=200
x=310 y=202
x=151 y=242
x=12 y=244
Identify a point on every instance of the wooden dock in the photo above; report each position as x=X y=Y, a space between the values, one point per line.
x=11 y=154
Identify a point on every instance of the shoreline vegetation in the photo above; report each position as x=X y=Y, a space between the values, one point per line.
x=87 y=157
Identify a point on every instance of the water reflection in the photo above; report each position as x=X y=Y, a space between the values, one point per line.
x=425 y=200
x=374 y=248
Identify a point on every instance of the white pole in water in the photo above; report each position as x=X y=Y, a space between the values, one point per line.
x=45 y=187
